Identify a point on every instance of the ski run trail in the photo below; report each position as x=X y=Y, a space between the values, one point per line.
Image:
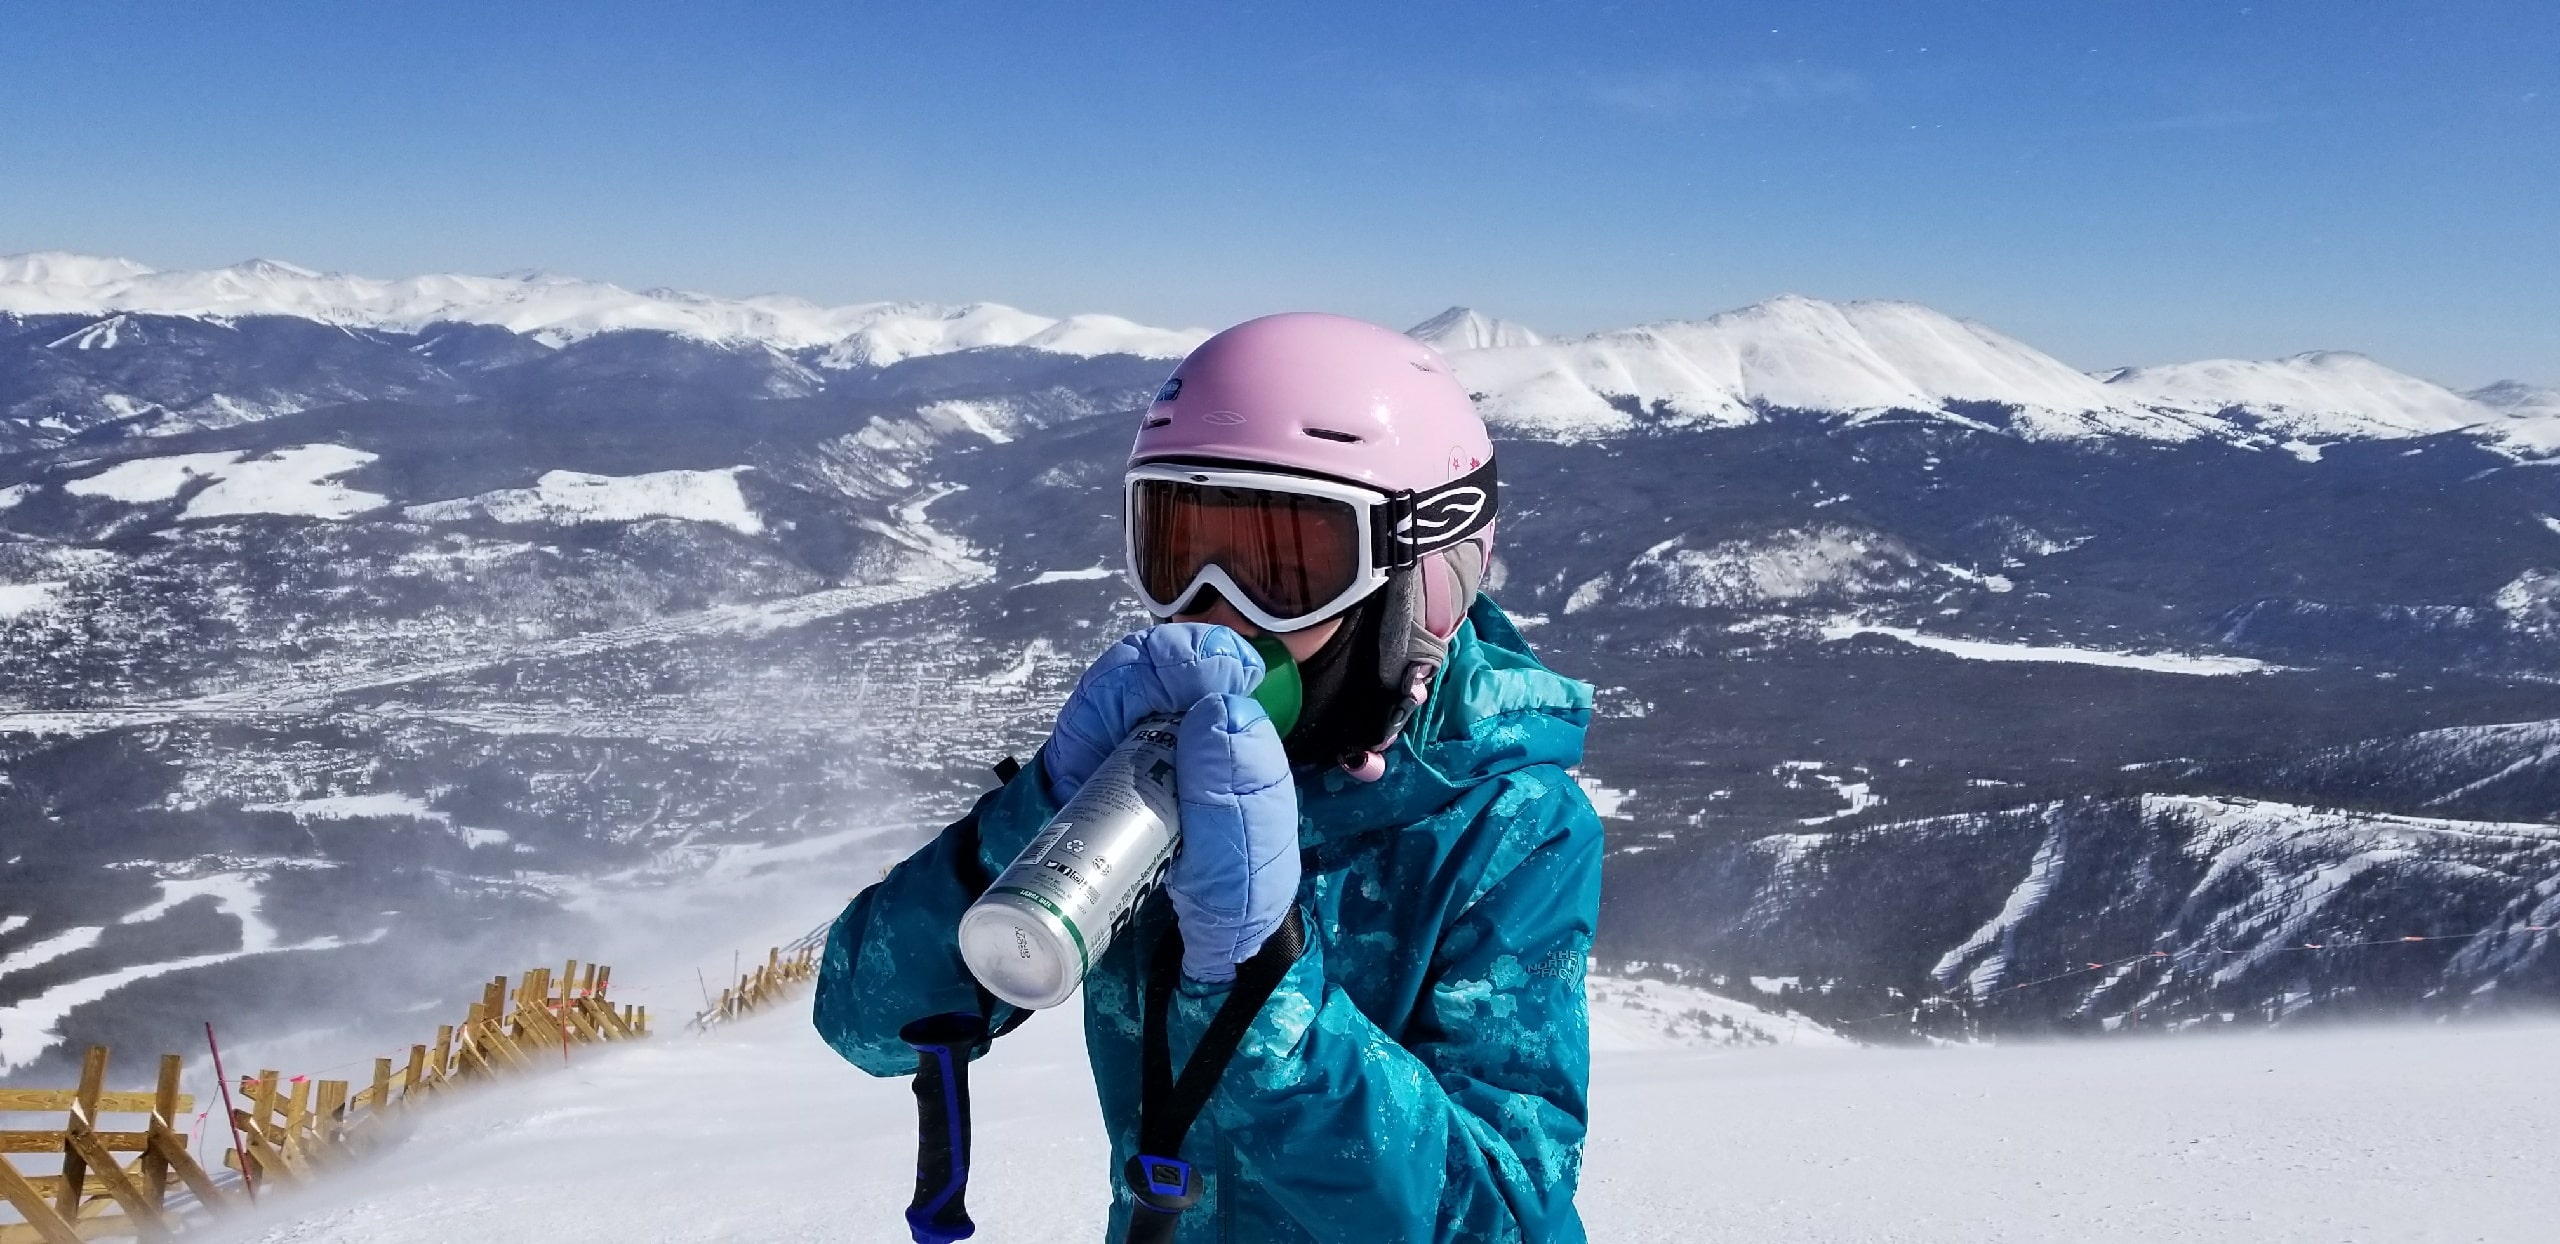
x=758 y=1132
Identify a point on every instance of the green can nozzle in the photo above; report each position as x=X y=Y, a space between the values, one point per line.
x=1280 y=694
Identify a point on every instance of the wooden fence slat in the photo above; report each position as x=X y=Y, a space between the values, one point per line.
x=102 y=1167
x=164 y=1113
x=32 y=1205
x=93 y=1083
x=172 y=1149
x=51 y=1142
x=49 y=1101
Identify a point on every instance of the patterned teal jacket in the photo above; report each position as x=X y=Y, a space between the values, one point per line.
x=1422 y=1072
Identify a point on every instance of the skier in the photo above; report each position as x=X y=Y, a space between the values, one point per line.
x=1419 y=1072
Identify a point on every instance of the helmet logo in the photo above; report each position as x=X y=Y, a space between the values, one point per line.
x=1223 y=418
x=1171 y=390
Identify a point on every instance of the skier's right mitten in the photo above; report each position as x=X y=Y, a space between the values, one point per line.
x=1160 y=670
x=1235 y=874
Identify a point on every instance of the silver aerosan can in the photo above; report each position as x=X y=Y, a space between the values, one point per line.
x=1035 y=933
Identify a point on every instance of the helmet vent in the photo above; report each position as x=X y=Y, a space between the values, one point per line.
x=1328 y=434
x=1159 y=421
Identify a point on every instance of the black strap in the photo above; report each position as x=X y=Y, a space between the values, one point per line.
x=1163 y=1184
x=974 y=880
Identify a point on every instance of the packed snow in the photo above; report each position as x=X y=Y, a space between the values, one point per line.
x=557 y=309
x=1698 y=1134
x=298 y=481
x=564 y=497
x=1990 y=650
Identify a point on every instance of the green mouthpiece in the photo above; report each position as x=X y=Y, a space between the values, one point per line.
x=1280 y=694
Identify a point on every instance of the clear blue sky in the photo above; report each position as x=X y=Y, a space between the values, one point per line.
x=2115 y=182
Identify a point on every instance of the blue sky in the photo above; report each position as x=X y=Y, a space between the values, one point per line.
x=2115 y=182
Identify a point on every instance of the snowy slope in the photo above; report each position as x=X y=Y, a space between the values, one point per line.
x=1794 y=353
x=300 y=480
x=2531 y=414
x=1872 y=359
x=758 y=1132
x=555 y=309
x=564 y=497
x=2325 y=395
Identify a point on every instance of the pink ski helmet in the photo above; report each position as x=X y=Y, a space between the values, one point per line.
x=1340 y=399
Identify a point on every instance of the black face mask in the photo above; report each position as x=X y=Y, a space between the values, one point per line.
x=1345 y=706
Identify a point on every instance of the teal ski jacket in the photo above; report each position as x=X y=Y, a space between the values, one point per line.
x=1422 y=1072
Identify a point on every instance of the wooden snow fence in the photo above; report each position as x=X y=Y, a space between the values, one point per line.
x=93 y=1194
x=786 y=969
x=289 y=1130
x=293 y=1129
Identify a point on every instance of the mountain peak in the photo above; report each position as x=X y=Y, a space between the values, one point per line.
x=1464 y=328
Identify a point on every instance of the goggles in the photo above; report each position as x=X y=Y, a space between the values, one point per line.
x=1288 y=551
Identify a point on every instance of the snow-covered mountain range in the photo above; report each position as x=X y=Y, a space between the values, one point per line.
x=551 y=309
x=1862 y=360
x=327 y=635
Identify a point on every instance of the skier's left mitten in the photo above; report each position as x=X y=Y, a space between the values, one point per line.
x=1236 y=873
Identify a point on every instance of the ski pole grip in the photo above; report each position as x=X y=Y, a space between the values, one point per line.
x=1160 y=1188
x=939 y=1214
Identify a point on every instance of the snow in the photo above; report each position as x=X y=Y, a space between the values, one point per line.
x=2529 y=415
x=1787 y=565
x=232 y=892
x=1072 y=576
x=1988 y=650
x=292 y=481
x=2252 y=1137
x=354 y=807
x=146 y=480
x=11 y=924
x=66 y=942
x=1997 y=936
x=1608 y=802
x=20 y=599
x=564 y=497
x=13 y=494
x=558 y=309
x=32 y=1025
x=1876 y=360
x=1865 y=359
x=1460 y=328
x=2325 y=395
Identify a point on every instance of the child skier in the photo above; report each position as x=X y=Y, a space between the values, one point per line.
x=1411 y=863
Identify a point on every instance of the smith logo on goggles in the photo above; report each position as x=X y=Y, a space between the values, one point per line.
x=1288 y=551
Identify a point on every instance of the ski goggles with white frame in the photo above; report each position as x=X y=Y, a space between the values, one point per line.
x=1288 y=551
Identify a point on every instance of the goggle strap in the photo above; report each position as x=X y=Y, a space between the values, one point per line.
x=1410 y=526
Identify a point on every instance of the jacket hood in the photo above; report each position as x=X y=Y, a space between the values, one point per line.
x=1493 y=709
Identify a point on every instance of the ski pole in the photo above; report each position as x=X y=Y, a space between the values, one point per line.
x=942 y=1044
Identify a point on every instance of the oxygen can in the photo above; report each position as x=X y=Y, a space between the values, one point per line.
x=1034 y=934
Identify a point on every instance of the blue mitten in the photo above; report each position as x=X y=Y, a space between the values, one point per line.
x=1236 y=873
x=1162 y=669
